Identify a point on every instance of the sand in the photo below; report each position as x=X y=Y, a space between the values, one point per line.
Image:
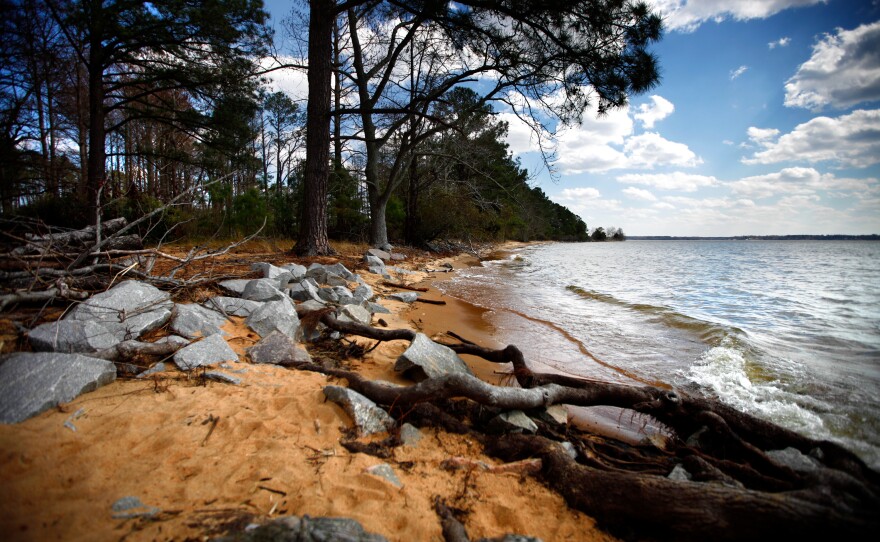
x=215 y=457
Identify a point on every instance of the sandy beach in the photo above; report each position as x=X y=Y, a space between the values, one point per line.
x=216 y=457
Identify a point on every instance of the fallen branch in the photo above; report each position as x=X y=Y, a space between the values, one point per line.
x=404 y=286
x=60 y=290
x=129 y=349
x=431 y=301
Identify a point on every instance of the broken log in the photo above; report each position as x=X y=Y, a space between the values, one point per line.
x=404 y=286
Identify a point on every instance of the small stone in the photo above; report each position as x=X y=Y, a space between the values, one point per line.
x=232 y=305
x=384 y=471
x=679 y=474
x=794 y=459
x=406 y=297
x=376 y=308
x=398 y=257
x=382 y=255
x=157 y=368
x=132 y=507
x=410 y=435
x=514 y=421
x=222 y=377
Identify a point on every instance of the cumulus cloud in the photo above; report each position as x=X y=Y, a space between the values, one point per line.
x=650 y=149
x=781 y=42
x=658 y=109
x=843 y=71
x=851 y=140
x=678 y=181
x=799 y=181
x=737 y=72
x=585 y=200
x=688 y=15
x=292 y=82
x=521 y=138
x=639 y=194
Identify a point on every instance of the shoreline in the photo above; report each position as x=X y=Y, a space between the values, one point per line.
x=273 y=451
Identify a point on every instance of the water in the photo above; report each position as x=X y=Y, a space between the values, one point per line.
x=786 y=330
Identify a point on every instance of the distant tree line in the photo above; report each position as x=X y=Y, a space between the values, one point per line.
x=112 y=109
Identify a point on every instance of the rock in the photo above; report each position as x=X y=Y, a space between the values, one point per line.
x=378 y=253
x=329 y=295
x=297 y=272
x=398 y=257
x=305 y=291
x=426 y=359
x=72 y=336
x=363 y=292
x=341 y=271
x=556 y=414
x=376 y=308
x=31 y=383
x=679 y=474
x=410 y=435
x=379 y=270
x=279 y=349
x=177 y=340
x=336 y=294
x=232 y=305
x=211 y=350
x=511 y=538
x=269 y=271
x=194 y=321
x=400 y=270
x=132 y=507
x=367 y=417
x=275 y=316
x=306 y=529
x=157 y=368
x=355 y=313
x=794 y=459
x=129 y=309
x=263 y=290
x=570 y=450
x=384 y=471
x=406 y=297
x=234 y=286
x=323 y=275
x=220 y=376
x=514 y=421
x=386 y=247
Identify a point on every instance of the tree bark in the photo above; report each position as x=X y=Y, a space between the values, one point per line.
x=312 y=238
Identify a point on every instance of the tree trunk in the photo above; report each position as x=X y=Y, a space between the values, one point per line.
x=411 y=225
x=313 y=227
x=97 y=131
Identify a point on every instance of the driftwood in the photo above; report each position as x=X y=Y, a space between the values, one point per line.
x=736 y=489
x=404 y=286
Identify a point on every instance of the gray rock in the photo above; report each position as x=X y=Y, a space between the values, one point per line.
x=194 y=321
x=132 y=507
x=367 y=417
x=232 y=305
x=387 y=247
x=305 y=291
x=410 y=435
x=129 y=309
x=363 y=292
x=72 y=336
x=275 y=316
x=31 y=383
x=269 y=271
x=263 y=290
x=220 y=376
x=341 y=271
x=398 y=257
x=157 y=368
x=557 y=414
x=297 y=272
x=514 y=421
x=211 y=350
x=570 y=450
x=378 y=253
x=234 y=286
x=329 y=274
x=384 y=471
x=306 y=529
x=794 y=459
x=372 y=260
x=512 y=538
x=426 y=359
x=379 y=270
x=354 y=313
x=279 y=349
x=679 y=474
x=175 y=340
x=309 y=306
x=376 y=308
x=400 y=270
x=406 y=297
x=329 y=295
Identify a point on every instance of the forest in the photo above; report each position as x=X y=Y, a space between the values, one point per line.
x=115 y=109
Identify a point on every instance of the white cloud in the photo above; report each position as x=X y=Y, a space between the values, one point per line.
x=650 y=150
x=781 y=42
x=800 y=181
x=520 y=136
x=658 y=109
x=737 y=72
x=688 y=15
x=639 y=194
x=581 y=193
x=843 y=71
x=762 y=136
x=292 y=82
x=682 y=182
x=850 y=140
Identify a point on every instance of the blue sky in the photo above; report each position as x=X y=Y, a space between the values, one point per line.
x=767 y=121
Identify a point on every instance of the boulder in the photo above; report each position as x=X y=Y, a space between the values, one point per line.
x=234 y=286
x=275 y=316
x=377 y=253
x=376 y=308
x=232 y=305
x=426 y=359
x=363 y=292
x=306 y=529
x=72 y=336
x=328 y=274
x=514 y=421
x=297 y=272
x=406 y=297
x=263 y=290
x=354 y=313
x=31 y=383
x=211 y=350
x=128 y=310
x=194 y=321
x=398 y=257
x=306 y=290
x=279 y=349
x=367 y=417
x=269 y=271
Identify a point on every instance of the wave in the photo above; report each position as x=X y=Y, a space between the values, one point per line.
x=709 y=333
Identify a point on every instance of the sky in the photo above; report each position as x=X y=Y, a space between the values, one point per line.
x=766 y=122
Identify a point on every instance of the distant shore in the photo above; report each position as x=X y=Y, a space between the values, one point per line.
x=834 y=237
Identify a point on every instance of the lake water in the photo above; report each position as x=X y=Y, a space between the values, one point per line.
x=786 y=330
